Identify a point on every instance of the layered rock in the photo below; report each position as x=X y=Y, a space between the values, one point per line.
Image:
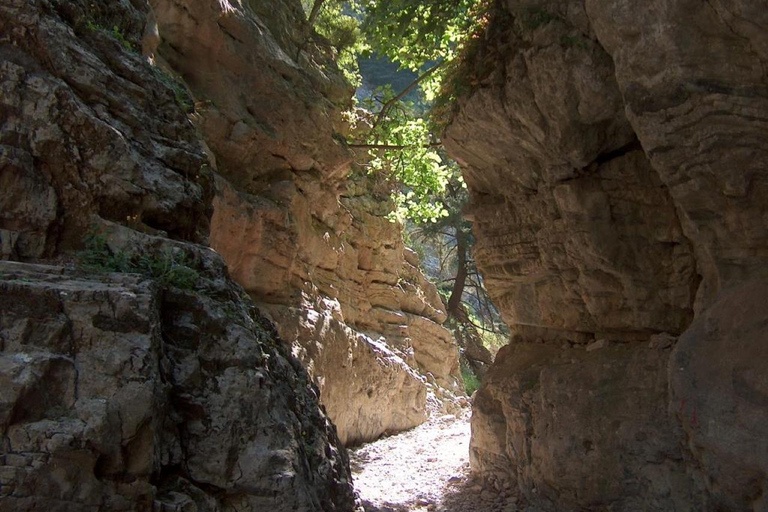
x=312 y=247
x=126 y=391
x=616 y=161
x=117 y=395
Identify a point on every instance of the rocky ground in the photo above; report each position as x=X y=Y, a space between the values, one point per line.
x=426 y=469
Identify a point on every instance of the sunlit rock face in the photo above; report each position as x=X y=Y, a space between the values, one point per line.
x=312 y=245
x=616 y=157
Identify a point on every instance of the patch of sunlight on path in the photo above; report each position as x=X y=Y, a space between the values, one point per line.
x=424 y=469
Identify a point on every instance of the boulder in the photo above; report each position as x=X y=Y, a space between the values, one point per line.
x=120 y=395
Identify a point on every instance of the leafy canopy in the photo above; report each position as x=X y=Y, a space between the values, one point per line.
x=424 y=36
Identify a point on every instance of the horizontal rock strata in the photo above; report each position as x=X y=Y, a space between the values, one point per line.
x=313 y=247
x=616 y=162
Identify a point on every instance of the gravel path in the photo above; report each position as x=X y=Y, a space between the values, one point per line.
x=424 y=469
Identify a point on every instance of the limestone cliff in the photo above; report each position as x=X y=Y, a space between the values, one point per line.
x=139 y=134
x=119 y=392
x=617 y=159
x=311 y=246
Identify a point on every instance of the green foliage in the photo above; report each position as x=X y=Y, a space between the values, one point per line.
x=471 y=382
x=425 y=38
x=415 y=33
x=115 y=32
x=416 y=165
x=180 y=94
x=335 y=22
x=168 y=269
x=493 y=341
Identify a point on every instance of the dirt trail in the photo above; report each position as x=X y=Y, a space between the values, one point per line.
x=425 y=469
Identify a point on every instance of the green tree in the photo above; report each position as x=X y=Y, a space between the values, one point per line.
x=426 y=37
x=423 y=36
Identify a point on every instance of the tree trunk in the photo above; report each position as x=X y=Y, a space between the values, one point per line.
x=454 y=301
x=315 y=12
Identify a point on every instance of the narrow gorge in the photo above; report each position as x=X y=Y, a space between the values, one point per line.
x=205 y=302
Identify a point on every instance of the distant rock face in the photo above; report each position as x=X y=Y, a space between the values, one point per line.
x=616 y=161
x=117 y=393
x=312 y=246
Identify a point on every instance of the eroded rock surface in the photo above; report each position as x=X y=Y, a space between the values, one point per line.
x=616 y=157
x=117 y=395
x=577 y=429
x=121 y=392
x=311 y=245
x=90 y=132
x=719 y=395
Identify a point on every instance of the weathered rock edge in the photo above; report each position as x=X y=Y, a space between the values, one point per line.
x=117 y=394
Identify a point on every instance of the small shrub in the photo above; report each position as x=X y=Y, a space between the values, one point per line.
x=180 y=94
x=115 y=32
x=471 y=382
x=167 y=268
x=97 y=256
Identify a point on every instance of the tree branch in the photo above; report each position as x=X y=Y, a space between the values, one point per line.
x=392 y=147
x=389 y=104
x=315 y=12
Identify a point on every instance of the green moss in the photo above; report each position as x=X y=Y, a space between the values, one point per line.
x=167 y=268
x=536 y=17
x=574 y=41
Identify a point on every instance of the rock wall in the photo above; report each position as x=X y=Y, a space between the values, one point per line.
x=313 y=247
x=117 y=391
x=616 y=157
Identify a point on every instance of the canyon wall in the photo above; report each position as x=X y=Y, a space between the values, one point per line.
x=617 y=158
x=310 y=243
x=136 y=370
x=120 y=392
